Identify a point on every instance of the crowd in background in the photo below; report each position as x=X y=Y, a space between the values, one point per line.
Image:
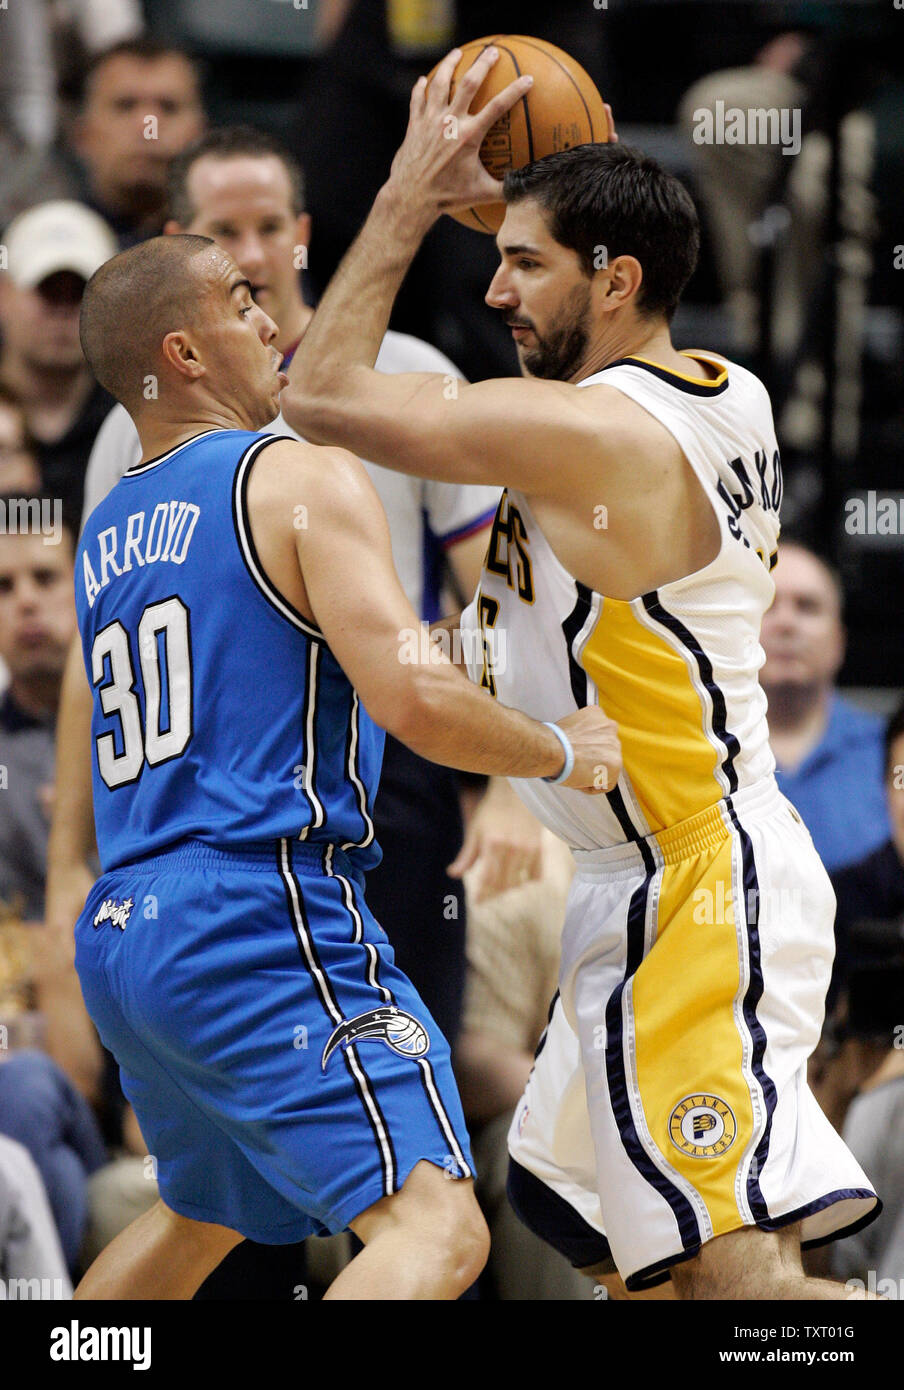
x=121 y=119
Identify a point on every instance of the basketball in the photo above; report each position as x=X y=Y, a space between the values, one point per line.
x=563 y=108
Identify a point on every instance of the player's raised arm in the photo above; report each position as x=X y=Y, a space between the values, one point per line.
x=492 y=432
x=408 y=686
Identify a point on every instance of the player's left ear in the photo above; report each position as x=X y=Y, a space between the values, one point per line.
x=619 y=282
x=179 y=353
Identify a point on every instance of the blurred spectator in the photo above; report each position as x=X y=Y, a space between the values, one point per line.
x=37 y=623
x=27 y=80
x=828 y=753
x=872 y=890
x=863 y=1063
x=140 y=105
x=29 y=37
x=738 y=181
x=19 y=470
x=857 y=1073
x=29 y=1244
x=51 y=252
x=41 y=1109
x=513 y=966
x=874 y=1132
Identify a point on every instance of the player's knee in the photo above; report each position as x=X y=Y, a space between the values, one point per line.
x=468 y=1245
x=457 y=1226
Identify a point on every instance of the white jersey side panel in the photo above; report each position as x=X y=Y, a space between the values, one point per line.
x=677 y=668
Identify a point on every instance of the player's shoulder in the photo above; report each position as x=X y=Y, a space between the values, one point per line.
x=402 y=352
x=286 y=467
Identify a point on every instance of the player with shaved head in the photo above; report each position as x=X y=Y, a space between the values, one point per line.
x=242 y=629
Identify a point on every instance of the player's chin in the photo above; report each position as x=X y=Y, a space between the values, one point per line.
x=269 y=409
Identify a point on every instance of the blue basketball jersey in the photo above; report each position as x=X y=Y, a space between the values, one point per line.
x=220 y=713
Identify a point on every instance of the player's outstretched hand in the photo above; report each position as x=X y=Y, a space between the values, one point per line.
x=597 y=750
x=438 y=163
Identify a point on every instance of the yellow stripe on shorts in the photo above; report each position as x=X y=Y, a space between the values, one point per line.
x=685 y=993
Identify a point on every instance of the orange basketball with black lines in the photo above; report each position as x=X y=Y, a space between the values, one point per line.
x=563 y=108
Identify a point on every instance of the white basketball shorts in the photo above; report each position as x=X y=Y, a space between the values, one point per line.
x=669 y=1102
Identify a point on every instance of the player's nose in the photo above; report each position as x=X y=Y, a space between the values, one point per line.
x=501 y=293
x=266 y=328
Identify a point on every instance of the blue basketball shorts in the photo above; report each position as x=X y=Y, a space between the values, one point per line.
x=285 y=1073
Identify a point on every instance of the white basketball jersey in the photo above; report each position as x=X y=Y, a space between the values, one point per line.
x=676 y=668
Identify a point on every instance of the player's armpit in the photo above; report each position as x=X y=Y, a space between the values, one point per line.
x=536 y=436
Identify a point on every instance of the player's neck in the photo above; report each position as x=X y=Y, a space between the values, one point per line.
x=160 y=435
x=634 y=338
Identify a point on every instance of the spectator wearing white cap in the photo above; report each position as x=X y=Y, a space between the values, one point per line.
x=48 y=255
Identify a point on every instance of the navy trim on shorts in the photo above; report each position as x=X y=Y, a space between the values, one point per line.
x=758 y=1206
x=643 y=1280
x=842 y=1194
x=685 y=1217
x=552 y=1217
x=652 y=1275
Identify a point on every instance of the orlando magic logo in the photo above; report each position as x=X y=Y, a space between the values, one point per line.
x=112 y=910
x=398 y=1030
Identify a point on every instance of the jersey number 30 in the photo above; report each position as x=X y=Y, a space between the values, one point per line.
x=166 y=732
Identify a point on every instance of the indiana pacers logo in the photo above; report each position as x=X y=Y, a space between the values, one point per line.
x=400 y=1032
x=702 y=1126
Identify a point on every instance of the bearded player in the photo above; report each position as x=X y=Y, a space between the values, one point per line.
x=629 y=564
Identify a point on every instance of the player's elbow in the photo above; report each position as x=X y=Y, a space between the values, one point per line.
x=307 y=411
x=415 y=711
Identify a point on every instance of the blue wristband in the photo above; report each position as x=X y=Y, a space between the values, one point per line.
x=568 y=769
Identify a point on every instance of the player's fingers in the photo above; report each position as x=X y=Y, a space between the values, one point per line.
x=497 y=106
x=613 y=133
x=465 y=858
x=491 y=877
x=441 y=81
x=418 y=97
x=472 y=80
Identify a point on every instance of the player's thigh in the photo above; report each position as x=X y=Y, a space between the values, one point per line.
x=162 y=1225
x=745 y=1264
x=430 y=1206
